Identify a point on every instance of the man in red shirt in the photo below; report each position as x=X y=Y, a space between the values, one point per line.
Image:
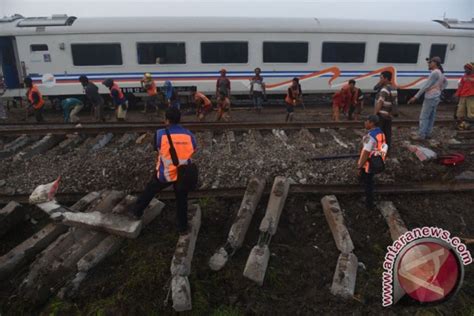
x=465 y=93
x=349 y=96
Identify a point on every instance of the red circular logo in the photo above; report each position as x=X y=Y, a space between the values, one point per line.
x=428 y=272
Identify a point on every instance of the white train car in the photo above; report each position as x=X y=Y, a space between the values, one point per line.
x=323 y=53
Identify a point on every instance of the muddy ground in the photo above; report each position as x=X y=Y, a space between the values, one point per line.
x=134 y=280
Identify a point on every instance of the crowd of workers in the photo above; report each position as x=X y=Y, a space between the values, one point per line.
x=175 y=145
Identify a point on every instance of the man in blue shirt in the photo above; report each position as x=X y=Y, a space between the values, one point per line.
x=166 y=173
x=71 y=107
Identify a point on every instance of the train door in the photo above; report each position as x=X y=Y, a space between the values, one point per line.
x=8 y=62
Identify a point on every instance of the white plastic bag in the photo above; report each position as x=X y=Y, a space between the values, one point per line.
x=45 y=192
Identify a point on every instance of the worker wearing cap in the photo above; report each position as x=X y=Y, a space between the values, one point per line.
x=71 y=108
x=373 y=144
x=432 y=89
x=151 y=99
x=223 y=84
x=35 y=98
x=465 y=93
x=118 y=98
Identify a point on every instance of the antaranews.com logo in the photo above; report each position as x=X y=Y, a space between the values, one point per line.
x=425 y=263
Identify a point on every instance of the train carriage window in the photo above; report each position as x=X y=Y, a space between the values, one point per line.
x=438 y=50
x=285 y=52
x=399 y=53
x=161 y=53
x=341 y=52
x=224 y=52
x=96 y=54
x=38 y=47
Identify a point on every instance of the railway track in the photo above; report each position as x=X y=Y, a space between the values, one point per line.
x=320 y=189
x=93 y=128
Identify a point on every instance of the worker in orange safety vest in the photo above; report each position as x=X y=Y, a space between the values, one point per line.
x=373 y=145
x=35 y=99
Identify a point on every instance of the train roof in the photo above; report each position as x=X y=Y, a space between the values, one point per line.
x=62 y=24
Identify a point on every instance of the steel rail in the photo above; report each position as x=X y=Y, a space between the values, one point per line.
x=316 y=189
x=39 y=129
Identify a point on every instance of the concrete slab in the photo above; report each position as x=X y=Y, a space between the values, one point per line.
x=58 y=262
x=183 y=255
x=252 y=196
x=392 y=217
x=335 y=219
x=181 y=293
x=218 y=259
x=257 y=264
x=28 y=249
x=11 y=148
x=110 y=223
x=69 y=143
x=105 y=248
x=43 y=145
x=275 y=205
x=102 y=141
x=241 y=224
x=12 y=214
x=126 y=139
x=343 y=283
x=181 y=262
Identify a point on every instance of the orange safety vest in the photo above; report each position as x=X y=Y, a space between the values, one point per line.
x=205 y=100
x=151 y=90
x=38 y=105
x=116 y=87
x=183 y=145
x=295 y=93
x=380 y=138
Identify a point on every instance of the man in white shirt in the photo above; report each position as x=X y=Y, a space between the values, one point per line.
x=432 y=89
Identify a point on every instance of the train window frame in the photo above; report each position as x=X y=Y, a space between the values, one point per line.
x=38 y=48
x=97 y=43
x=443 y=58
x=344 y=62
x=399 y=43
x=166 y=42
x=226 y=42
x=308 y=51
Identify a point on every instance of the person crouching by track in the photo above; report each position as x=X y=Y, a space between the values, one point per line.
x=175 y=146
x=92 y=94
x=203 y=105
x=372 y=157
x=118 y=98
x=35 y=99
x=294 y=97
x=151 y=99
x=71 y=108
x=223 y=107
x=171 y=95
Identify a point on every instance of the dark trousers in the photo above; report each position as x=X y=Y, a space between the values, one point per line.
x=38 y=115
x=385 y=124
x=155 y=186
x=368 y=180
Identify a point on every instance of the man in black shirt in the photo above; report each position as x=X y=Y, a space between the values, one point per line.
x=92 y=94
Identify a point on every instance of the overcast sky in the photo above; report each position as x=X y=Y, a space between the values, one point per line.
x=365 y=9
